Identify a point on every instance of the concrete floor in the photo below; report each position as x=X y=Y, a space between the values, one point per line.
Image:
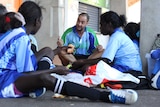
x=147 y=98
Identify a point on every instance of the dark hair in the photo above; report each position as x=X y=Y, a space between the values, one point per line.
x=123 y=20
x=113 y=18
x=131 y=29
x=30 y=11
x=84 y=14
x=3 y=9
x=9 y=21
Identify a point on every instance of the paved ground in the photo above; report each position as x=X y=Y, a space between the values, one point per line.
x=147 y=98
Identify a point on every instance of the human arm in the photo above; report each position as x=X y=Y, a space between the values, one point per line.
x=25 y=59
x=112 y=47
x=80 y=63
x=60 y=42
x=100 y=48
x=46 y=51
x=61 y=70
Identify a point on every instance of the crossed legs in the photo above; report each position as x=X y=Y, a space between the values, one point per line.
x=29 y=82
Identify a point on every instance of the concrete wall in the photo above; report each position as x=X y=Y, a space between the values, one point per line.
x=119 y=6
x=132 y=13
x=52 y=24
x=150 y=27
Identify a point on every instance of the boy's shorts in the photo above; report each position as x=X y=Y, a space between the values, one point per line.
x=10 y=92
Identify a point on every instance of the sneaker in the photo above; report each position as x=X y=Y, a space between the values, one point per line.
x=37 y=93
x=126 y=96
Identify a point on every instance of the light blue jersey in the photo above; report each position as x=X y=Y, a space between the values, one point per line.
x=122 y=51
x=83 y=45
x=16 y=56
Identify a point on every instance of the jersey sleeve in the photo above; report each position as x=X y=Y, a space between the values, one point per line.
x=25 y=60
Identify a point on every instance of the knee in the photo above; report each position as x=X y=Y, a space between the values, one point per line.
x=48 y=80
x=49 y=52
x=47 y=49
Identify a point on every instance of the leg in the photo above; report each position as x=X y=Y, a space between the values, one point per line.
x=46 y=51
x=34 y=80
x=83 y=92
x=114 y=96
x=66 y=58
x=29 y=82
x=42 y=65
x=45 y=63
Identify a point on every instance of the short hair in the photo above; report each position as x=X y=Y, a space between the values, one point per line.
x=131 y=29
x=3 y=9
x=84 y=14
x=30 y=11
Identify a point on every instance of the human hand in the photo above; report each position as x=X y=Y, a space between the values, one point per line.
x=77 y=64
x=60 y=42
x=100 y=48
x=61 y=70
x=63 y=49
x=70 y=48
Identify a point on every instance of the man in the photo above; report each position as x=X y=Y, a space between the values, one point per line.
x=81 y=39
